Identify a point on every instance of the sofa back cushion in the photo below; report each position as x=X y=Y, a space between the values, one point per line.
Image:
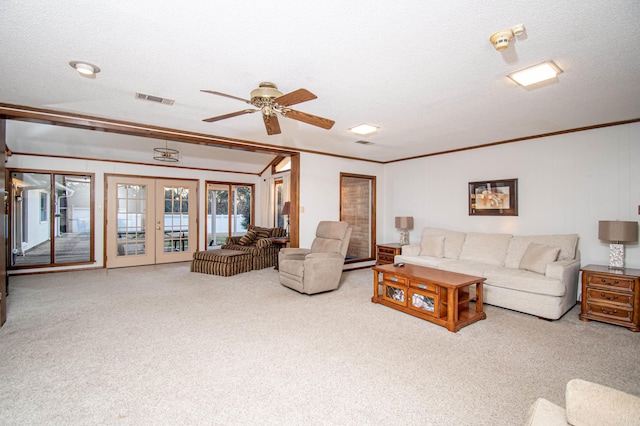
x=453 y=240
x=432 y=245
x=490 y=249
x=567 y=243
x=537 y=256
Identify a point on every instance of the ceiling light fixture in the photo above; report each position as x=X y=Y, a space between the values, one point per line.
x=535 y=74
x=84 y=68
x=364 y=129
x=166 y=154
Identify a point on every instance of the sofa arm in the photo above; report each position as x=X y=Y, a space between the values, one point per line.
x=563 y=269
x=264 y=243
x=411 y=250
x=233 y=240
x=593 y=404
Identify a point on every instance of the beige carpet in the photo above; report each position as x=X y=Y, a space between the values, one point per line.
x=161 y=345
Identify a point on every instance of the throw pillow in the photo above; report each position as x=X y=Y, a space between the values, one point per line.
x=537 y=256
x=247 y=238
x=260 y=232
x=432 y=246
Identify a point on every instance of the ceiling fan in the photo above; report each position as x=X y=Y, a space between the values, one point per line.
x=270 y=101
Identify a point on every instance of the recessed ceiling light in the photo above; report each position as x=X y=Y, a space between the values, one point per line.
x=364 y=129
x=535 y=74
x=84 y=68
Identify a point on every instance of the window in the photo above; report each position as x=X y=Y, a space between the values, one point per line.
x=224 y=218
x=51 y=216
x=278 y=217
x=281 y=164
x=357 y=208
x=44 y=198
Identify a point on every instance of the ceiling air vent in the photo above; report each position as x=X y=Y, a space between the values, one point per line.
x=364 y=142
x=152 y=98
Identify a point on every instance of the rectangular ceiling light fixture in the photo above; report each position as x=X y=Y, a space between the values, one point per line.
x=535 y=74
x=364 y=129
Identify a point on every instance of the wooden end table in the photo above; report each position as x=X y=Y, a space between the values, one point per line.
x=279 y=242
x=611 y=296
x=438 y=296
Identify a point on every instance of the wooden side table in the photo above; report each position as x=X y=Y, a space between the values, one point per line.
x=611 y=296
x=279 y=242
x=386 y=253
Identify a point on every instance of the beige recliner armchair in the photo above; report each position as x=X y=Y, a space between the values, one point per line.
x=319 y=268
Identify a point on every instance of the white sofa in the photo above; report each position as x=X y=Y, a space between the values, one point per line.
x=587 y=404
x=536 y=274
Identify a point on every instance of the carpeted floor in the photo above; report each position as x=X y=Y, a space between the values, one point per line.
x=160 y=345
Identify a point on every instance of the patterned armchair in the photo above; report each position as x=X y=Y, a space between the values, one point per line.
x=256 y=242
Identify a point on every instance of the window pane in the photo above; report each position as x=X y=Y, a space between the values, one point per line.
x=225 y=219
x=131 y=213
x=31 y=233
x=357 y=209
x=72 y=219
x=176 y=219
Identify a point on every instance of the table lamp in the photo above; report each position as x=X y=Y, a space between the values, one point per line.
x=404 y=223
x=617 y=233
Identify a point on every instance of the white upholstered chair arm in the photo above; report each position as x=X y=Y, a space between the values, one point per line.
x=293 y=253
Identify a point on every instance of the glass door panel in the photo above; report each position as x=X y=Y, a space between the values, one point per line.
x=357 y=208
x=217 y=214
x=72 y=219
x=176 y=225
x=241 y=214
x=31 y=219
x=128 y=241
x=132 y=215
x=224 y=218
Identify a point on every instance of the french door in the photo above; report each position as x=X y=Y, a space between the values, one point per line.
x=150 y=221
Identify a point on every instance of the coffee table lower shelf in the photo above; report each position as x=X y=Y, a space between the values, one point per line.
x=437 y=296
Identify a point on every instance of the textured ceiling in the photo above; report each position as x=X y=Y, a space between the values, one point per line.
x=425 y=72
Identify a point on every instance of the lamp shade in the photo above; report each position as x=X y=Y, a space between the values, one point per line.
x=404 y=222
x=618 y=231
x=286 y=208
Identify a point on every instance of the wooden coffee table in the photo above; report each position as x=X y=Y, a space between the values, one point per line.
x=438 y=296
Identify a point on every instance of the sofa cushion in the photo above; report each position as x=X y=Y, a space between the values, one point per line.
x=567 y=243
x=432 y=245
x=247 y=238
x=537 y=256
x=260 y=232
x=524 y=281
x=465 y=267
x=453 y=240
x=490 y=249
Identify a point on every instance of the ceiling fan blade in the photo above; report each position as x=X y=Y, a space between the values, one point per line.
x=226 y=96
x=232 y=114
x=314 y=120
x=272 y=125
x=295 y=97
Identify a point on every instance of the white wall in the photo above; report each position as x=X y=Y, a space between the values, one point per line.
x=320 y=190
x=566 y=184
x=100 y=168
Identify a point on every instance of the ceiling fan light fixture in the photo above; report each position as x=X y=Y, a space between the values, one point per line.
x=535 y=74
x=364 y=129
x=85 y=69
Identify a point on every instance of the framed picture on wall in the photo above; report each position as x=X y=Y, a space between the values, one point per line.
x=493 y=198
